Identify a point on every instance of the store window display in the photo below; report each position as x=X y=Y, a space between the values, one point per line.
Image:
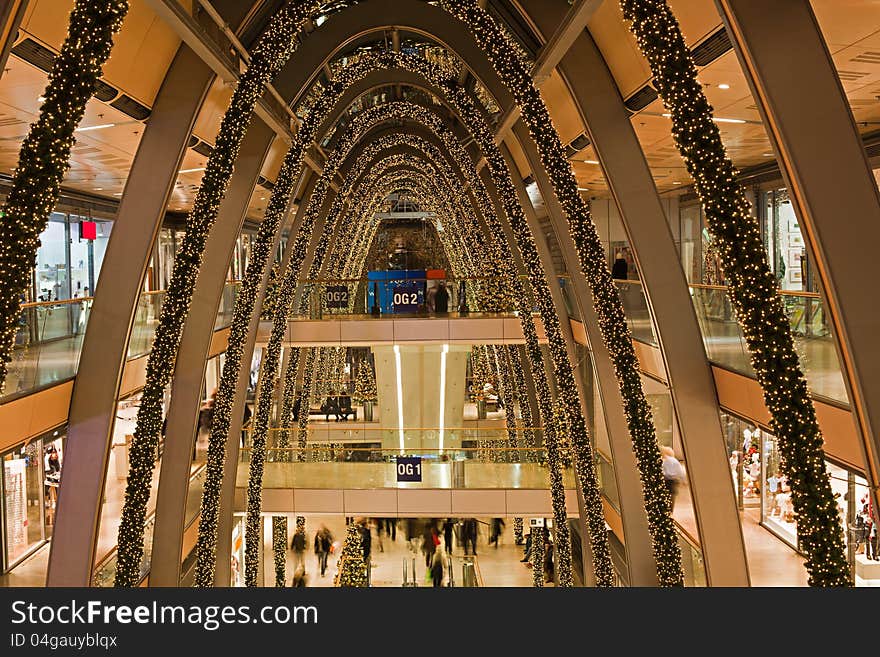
x=777 y=508
x=743 y=449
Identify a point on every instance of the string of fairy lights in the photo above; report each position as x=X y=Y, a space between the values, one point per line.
x=272 y=51
x=591 y=256
x=752 y=288
x=543 y=390
x=44 y=157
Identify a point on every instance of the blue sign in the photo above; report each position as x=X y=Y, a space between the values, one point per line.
x=406 y=297
x=384 y=284
x=336 y=296
x=409 y=468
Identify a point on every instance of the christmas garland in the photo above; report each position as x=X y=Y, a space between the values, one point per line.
x=752 y=288
x=352 y=568
x=44 y=157
x=609 y=310
x=273 y=50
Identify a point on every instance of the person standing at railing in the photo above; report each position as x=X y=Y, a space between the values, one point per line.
x=673 y=473
x=441 y=299
x=620 y=269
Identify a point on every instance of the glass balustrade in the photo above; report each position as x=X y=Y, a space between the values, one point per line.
x=415 y=297
x=49 y=337
x=691 y=560
x=810 y=327
x=105 y=571
x=227 y=305
x=635 y=307
x=146 y=318
x=48 y=341
x=607 y=480
x=494 y=461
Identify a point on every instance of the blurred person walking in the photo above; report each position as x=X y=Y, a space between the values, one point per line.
x=323 y=546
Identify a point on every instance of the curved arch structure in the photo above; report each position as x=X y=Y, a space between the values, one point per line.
x=408 y=152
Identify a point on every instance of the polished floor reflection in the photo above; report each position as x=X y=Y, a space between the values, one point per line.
x=498 y=566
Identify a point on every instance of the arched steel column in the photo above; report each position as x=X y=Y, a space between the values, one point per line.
x=691 y=385
x=105 y=346
x=230 y=468
x=195 y=344
x=11 y=13
x=340 y=29
x=820 y=152
x=640 y=559
x=565 y=326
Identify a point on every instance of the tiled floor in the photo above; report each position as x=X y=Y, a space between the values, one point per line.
x=498 y=567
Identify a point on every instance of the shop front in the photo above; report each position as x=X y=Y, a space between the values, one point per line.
x=30 y=478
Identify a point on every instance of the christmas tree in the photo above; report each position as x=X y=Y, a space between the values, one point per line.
x=352 y=569
x=365 y=383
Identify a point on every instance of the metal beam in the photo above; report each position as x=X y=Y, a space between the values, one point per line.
x=691 y=385
x=105 y=346
x=195 y=345
x=189 y=30
x=832 y=188
x=551 y=54
x=11 y=13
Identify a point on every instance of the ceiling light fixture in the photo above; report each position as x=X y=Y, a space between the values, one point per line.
x=724 y=85
x=591 y=161
x=192 y=170
x=583 y=189
x=94 y=127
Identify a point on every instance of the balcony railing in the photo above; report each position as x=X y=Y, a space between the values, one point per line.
x=403 y=296
x=813 y=337
x=49 y=337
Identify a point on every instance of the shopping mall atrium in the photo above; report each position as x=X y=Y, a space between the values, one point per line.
x=451 y=293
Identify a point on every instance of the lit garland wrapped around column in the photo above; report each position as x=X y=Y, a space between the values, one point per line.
x=273 y=50
x=279 y=549
x=352 y=568
x=752 y=288
x=307 y=393
x=525 y=408
x=591 y=256
x=505 y=395
x=518 y=530
x=560 y=357
x=537 y=556
x=510 y=203
x=44 y=157
x=244 y=308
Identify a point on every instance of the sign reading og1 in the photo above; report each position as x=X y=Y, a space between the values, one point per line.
x=409 y=468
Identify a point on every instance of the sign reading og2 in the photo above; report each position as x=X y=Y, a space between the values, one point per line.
x=406 y=297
